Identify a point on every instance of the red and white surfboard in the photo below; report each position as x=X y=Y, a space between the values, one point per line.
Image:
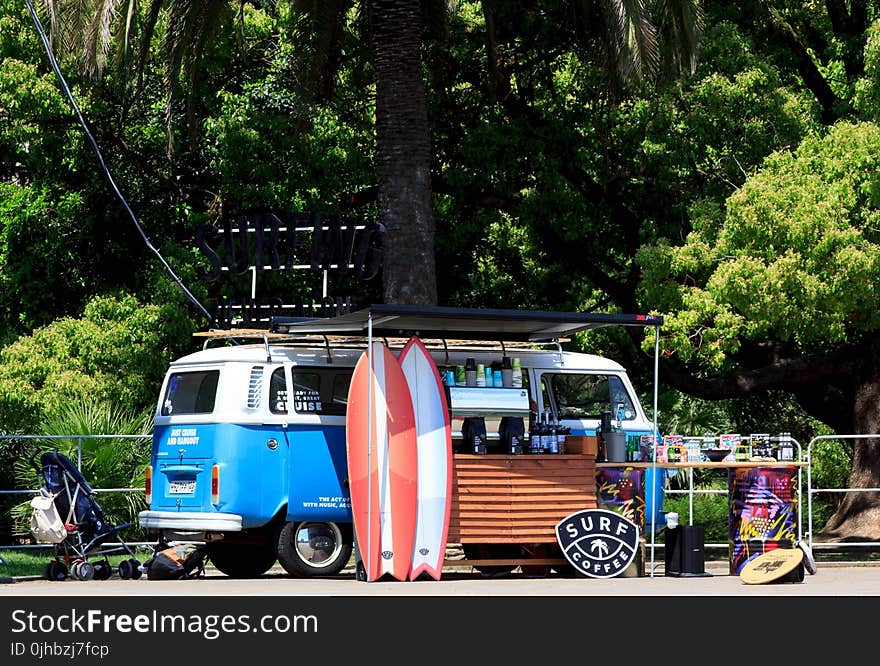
x=382 y=464
x=434 y=444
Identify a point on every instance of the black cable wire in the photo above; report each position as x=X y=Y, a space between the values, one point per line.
x=97 y=150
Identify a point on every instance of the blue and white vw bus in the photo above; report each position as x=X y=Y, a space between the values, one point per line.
x=249 y=452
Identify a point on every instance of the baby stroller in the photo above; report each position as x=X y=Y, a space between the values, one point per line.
x=67 y=515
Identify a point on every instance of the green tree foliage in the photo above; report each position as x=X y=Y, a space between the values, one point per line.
x=117 y=352
x=788 y=261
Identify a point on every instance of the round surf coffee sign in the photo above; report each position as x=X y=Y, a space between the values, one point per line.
x=598 y=542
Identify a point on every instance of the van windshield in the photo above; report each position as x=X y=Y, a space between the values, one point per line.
x=586 y=396
x=190 y=393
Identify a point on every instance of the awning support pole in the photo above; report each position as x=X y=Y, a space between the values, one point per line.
x=656 y=437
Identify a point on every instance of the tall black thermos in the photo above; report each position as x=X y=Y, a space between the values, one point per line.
x=604 y=428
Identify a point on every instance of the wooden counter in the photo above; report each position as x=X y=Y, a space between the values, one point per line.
x=517 y=498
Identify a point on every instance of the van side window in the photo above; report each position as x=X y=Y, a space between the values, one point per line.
x=321 y=390
x=586 y=396
x=191 y=393
x=339 y=396
x=306 y=392
x=278 y=392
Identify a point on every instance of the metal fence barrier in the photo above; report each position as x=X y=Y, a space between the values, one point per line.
x=856 y=439
x=690 y=490
x=79 y=449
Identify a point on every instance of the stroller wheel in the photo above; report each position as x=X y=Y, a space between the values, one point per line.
x=56 y=570
x=135 y=569
x=129 y=569
x=83 y=570
x=102 y=570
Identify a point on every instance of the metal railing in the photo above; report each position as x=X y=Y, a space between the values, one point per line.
x=856 y=439
x=79 y=451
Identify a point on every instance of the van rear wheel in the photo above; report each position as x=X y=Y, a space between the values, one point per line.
x=242 y=560
x=307 y=549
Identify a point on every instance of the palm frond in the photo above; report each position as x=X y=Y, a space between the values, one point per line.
x=633 y=38
x=72 y=17
x=52 y=15
x=680 y=28
x=148 y=29
x=190 y=24
x=317 y=29
x=97 y=38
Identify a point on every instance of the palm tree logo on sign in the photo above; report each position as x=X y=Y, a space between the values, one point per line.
x=598 y=542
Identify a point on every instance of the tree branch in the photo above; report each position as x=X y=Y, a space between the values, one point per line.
x=810 y=74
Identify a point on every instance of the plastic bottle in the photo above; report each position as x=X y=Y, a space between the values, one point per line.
x=488 y=380
x=516 y=374
x=481 y=374
x=786 y=448
x=506 y=372
x=497 y=379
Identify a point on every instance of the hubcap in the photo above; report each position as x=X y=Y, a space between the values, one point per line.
x=318 y=543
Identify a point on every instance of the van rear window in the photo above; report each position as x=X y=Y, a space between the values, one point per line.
x=191 y=393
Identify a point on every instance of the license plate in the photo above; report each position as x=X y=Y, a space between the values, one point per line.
x=182 y=487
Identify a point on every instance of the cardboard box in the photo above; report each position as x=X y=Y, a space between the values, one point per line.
x=582 y=444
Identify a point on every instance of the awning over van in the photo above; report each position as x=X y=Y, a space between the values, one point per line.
x=470 y=323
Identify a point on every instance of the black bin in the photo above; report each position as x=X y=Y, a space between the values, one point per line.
x=685 y=551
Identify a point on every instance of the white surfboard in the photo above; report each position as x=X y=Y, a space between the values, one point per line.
x=434 y=446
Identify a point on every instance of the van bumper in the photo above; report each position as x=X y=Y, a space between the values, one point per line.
x=190 y=521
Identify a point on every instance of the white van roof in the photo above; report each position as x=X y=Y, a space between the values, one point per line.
x=348 y=356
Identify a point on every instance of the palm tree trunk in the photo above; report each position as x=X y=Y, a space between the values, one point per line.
x=403 y=155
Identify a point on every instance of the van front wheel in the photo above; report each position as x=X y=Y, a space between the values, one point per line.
x=308 y=549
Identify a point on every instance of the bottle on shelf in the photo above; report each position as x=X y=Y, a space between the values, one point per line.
x=506 y=372
x=481 y=374
x=470 y=372
x=516 y=373
x=631 y=447
x=786 y=447
x=487 y=376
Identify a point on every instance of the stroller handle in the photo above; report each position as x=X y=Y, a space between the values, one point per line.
x=32 y=460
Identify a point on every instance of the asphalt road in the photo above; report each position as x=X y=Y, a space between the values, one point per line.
x=830 y=580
